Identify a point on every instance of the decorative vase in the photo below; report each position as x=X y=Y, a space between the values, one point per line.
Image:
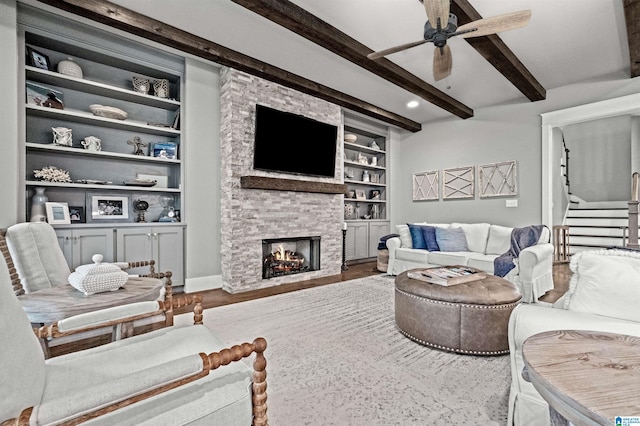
x=68 y=67
x=62 y=136
x=161 y=88
x=38 y=207
x=141 y=84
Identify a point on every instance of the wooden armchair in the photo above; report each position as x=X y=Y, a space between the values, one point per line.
x=172 y=376
x=39 y=277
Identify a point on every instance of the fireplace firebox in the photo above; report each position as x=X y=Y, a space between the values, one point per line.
x=287 y=256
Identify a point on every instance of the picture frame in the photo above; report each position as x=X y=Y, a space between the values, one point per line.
x=76 y=214
x=37 y=59
x=167 y=150
x=57 y=213
x=498 y=179
x=40 y=95
x=458 y=183
x=360 y=194
x=426 y=186
x=374 y=194
x=105 y=207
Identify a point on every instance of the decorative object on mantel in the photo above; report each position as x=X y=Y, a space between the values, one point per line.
x=498 y=179
x=161 y=88
x=92 y=143
x=68 y=67
x=137 y=145
x=426 y=186
x=458 y=183
x=108 y=112
x=141 y=84
x=141 y=207
x=351 y=138
x=374 y=145
x=52 y=174
x=38 y=205
x=99 y=277
x=62 y=136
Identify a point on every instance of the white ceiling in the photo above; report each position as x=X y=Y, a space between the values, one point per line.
x=566 y=41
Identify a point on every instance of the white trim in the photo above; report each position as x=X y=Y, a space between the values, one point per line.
x=192 y=285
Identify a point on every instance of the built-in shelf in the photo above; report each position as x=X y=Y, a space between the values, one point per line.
x=362 y=148
x=98 y=154
x=355 y=200
x=359 y=182
x=100 y=186
x=363 y=166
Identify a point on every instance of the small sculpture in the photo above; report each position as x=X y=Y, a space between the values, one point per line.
x=92 y=143
x=374 y=145
x=62 y=136
x=141 y=207
x=137 y=145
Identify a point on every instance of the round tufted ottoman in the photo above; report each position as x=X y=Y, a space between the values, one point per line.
x=469 y=318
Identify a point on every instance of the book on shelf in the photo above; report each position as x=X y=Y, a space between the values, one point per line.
x=447 y=275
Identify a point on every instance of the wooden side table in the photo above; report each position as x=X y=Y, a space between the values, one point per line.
x=587 y=377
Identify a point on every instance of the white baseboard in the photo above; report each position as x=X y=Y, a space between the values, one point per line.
x=191 y=285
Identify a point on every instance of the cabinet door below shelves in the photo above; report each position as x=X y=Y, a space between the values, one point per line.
x=79 y=245
x=376 y=231
x=162 y=244
x=357 y=241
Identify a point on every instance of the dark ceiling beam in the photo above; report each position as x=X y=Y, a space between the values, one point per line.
x=493 y=49
x=303 y=23
x=127 y=20
x=632 y=18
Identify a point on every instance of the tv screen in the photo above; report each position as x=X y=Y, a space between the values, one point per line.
x=290 y=143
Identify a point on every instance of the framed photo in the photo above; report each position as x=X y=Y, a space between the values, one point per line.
x=360 y=195
x=108 y=207
x=57 y=213
x=37 y=59
x=76 y=214
x=374 y=194
x=167 y=150
x=40 y=95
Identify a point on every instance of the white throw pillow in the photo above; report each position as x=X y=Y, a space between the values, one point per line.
x=499 y=239
x=605 y=282
x=405 y=235
x=476 y=234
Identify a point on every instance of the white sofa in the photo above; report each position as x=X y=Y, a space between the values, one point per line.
x=533 y=272
x=603 y=295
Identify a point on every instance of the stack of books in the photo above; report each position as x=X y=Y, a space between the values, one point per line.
x=447 y=275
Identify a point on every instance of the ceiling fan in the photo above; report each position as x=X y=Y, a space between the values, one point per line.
x=442 y=25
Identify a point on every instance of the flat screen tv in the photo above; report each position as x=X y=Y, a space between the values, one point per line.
x=290 y=143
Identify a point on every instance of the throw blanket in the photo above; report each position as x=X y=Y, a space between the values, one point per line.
x=521 y=238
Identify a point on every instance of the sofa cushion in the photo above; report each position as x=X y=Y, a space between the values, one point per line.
x=451 y=239
x=450 y=258
x=429 y=235
x=476 y=235
x=421 y=256
x=483 y=262
x=499 y=241
x=417 y=239
x=605 y=282
x=404 y=235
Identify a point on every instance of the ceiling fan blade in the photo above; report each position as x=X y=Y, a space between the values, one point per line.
x=442 y=62
x=495 y=24
x=385 y=52
x=437 y=9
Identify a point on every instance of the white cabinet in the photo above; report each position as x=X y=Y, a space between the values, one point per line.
x=164 y=244
x=362 y=238
x=79 y=245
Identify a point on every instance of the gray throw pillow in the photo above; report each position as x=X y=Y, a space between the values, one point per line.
x=451 y=239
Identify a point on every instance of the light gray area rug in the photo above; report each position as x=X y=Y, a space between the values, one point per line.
x=335 y=357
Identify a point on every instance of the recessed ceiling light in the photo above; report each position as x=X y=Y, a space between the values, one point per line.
x=413 y=104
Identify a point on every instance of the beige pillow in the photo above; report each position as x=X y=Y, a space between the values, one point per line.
x=605 y=282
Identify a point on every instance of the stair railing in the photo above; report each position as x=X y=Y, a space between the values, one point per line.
x=633 y=213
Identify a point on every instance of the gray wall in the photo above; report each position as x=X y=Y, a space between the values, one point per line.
x=509 y=132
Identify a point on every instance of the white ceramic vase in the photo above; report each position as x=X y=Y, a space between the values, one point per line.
x=38 y=206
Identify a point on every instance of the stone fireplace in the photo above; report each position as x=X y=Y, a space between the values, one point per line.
x=289 y=256
x=251 y=215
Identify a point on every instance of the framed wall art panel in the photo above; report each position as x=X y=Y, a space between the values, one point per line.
x=458 y=183
x=498 y=179
x=426 y=186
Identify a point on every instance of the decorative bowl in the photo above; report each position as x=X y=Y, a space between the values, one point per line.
x=351 y=138
x=108 y=112
x=98 y=277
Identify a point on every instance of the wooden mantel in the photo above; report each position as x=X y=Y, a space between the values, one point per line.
x=279 y=184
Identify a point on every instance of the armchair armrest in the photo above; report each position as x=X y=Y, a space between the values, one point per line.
x=535 y=260
x=155 y=380
x=394 y=243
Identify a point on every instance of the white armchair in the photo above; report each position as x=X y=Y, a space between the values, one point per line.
x=169 y=376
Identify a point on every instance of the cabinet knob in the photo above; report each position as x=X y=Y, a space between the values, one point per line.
x=66 y=238
x=149 y=235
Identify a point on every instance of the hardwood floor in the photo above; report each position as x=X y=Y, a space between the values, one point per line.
x=219 y=297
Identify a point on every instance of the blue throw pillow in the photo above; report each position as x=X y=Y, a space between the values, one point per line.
x=451 y=239
x=429 y=235
x=417 y=240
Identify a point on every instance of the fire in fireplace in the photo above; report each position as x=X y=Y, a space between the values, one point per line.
x=286 y=256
